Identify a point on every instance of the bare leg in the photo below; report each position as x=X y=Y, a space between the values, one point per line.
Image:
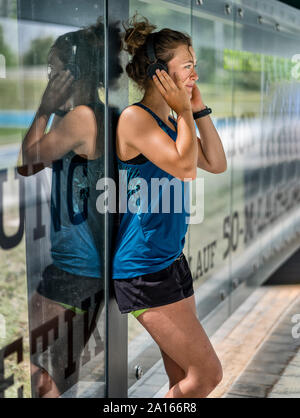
x=178 y=332
x=42 y=310
x=45 y=384
x=173 y=370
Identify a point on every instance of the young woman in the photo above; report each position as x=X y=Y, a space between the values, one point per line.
x=152 y=279
x=74 y=149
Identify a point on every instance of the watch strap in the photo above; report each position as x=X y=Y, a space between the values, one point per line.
x=201 y=113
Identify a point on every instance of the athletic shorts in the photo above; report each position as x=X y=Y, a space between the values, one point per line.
x=169 y=285
x=68 y=289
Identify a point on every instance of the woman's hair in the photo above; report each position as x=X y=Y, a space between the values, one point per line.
x=134 y=42
x=90 y=45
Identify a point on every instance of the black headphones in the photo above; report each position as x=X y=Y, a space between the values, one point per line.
x=154 y=62
x=72 y=63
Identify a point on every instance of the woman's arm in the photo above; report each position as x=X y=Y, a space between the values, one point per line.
x=211 y=156
x=177 y=98
x=40 y=149
x=186 y=142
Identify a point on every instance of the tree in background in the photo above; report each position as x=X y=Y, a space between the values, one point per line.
x=38 y=51
x=10 y=57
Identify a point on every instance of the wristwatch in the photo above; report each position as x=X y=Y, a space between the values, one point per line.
x=201 y=113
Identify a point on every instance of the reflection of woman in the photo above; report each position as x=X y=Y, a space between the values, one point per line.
x=152 y=278
x=75 y=148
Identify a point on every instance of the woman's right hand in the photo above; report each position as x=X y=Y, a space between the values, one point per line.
x=174 y=93
x=57 y=92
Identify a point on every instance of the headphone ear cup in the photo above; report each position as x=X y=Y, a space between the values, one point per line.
x=151 y=70
x=159 y=65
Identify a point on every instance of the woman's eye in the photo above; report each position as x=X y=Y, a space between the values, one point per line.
x=189 y=66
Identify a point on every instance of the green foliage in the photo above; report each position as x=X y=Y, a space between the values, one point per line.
x=10 y=57
x=38 y=51
x=207 y=64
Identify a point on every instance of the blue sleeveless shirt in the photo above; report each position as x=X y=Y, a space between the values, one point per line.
x=152 y=237
x=76 y=230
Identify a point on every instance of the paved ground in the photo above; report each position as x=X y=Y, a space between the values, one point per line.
x=259 y=354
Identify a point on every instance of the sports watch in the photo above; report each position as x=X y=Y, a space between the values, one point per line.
x=201 y=113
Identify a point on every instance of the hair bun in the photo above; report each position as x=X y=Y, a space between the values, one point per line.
x=136 y=33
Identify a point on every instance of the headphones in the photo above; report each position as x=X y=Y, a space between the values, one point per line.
x=72 y=63
x=154 y=62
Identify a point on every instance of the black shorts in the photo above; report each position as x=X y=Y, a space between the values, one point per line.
x=67 y=288
x=169 y=285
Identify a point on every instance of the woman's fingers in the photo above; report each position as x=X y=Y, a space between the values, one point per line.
x=159 y=85
x=66 y=87
x=163 y=79
x=170 y=80
x=61 y=80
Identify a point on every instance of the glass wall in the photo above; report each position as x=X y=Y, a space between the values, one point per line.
x=62 y=88
x=209 y=240
x=52 y=155
x=163 y=15
x=265 y=186
x=14 y=327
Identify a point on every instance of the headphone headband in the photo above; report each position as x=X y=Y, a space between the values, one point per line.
x=150 y=47
x=155 y=63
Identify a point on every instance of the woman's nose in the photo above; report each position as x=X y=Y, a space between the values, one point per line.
x=194 y=75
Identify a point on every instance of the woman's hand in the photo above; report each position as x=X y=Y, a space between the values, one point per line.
x=174 y=93
x=196 y=100
x=57 y=92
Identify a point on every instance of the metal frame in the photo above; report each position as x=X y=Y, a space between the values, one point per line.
x=116 y=350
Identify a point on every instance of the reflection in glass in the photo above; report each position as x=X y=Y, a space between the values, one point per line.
x=68 y=299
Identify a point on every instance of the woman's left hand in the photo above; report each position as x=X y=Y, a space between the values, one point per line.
x=196 y=99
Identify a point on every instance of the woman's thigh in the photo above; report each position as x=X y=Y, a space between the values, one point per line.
x=192 y=303
x=178 y=332
x=172 y=368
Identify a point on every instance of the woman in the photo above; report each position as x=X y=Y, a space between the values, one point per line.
x=152 y=279
x=74 y=148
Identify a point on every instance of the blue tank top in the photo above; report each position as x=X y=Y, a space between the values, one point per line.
x=150 y=241
x=77 y=228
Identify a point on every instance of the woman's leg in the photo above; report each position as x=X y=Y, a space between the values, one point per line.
x=173 y=370
x=42 y=310
x=178 y=332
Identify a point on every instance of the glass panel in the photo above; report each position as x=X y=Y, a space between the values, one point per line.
x=164 y=15
x=58 y=117
x=207 y=242
x=246 y=169
x=265 y=162
x=14 y=337
x=210 y=240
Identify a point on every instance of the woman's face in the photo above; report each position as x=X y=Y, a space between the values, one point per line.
x=183 y=63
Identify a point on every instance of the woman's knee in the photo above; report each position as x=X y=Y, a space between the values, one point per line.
x=209 y=377
x=217 y=374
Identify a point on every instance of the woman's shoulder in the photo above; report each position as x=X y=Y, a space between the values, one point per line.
x=134 y=115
